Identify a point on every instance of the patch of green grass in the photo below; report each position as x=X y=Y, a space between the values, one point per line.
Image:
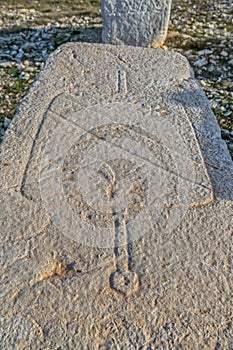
x=5 y=115
x=20 y=86
x=224 y=122
x=189 y=40
x=13 y=90
x=12 y=71
x=229 y=28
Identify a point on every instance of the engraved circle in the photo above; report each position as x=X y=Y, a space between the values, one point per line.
x=90 y=164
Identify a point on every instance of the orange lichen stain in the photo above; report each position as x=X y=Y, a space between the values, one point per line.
x=55 y=268
x=25 y=256
x=178 y=86
x=15 y=295
x=159 y=46
x=111 y=191
x=197 y=205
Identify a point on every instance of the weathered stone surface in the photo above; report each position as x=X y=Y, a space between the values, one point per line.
x=120 y=146
x=135 y=22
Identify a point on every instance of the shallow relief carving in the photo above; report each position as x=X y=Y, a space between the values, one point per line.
x=109 y=173
x=137 y=23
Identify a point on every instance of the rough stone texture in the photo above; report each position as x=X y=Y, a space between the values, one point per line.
x=135 y=22
x=163 y=289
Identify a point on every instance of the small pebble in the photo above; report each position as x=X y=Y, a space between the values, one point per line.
x=227 y=113
x=6 y=122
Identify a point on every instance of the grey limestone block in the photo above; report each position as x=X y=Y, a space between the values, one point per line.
x=135 y=22
x=116 y=207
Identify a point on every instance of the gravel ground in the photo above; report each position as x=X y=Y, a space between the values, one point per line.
x=31 y=30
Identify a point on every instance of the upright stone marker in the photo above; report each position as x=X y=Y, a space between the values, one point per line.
x=116 y=208
x=135 y=22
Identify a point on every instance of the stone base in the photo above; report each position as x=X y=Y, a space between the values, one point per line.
x=116 y=207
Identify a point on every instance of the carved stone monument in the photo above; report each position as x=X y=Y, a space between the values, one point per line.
x=116 y=208
x=135 y=22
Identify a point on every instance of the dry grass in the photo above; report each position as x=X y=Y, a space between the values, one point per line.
x=83 y=6
x=51 y=10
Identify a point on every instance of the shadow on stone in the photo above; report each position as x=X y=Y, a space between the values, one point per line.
x=214 y=150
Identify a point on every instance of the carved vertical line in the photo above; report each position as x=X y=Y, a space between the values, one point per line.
x=122 y=82
x=121 y=252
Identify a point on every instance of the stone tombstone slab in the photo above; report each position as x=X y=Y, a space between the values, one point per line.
x=135 y=22
x=116 y=208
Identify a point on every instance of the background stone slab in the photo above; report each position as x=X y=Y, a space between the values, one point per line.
x=136 y=23
x=55 y=291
